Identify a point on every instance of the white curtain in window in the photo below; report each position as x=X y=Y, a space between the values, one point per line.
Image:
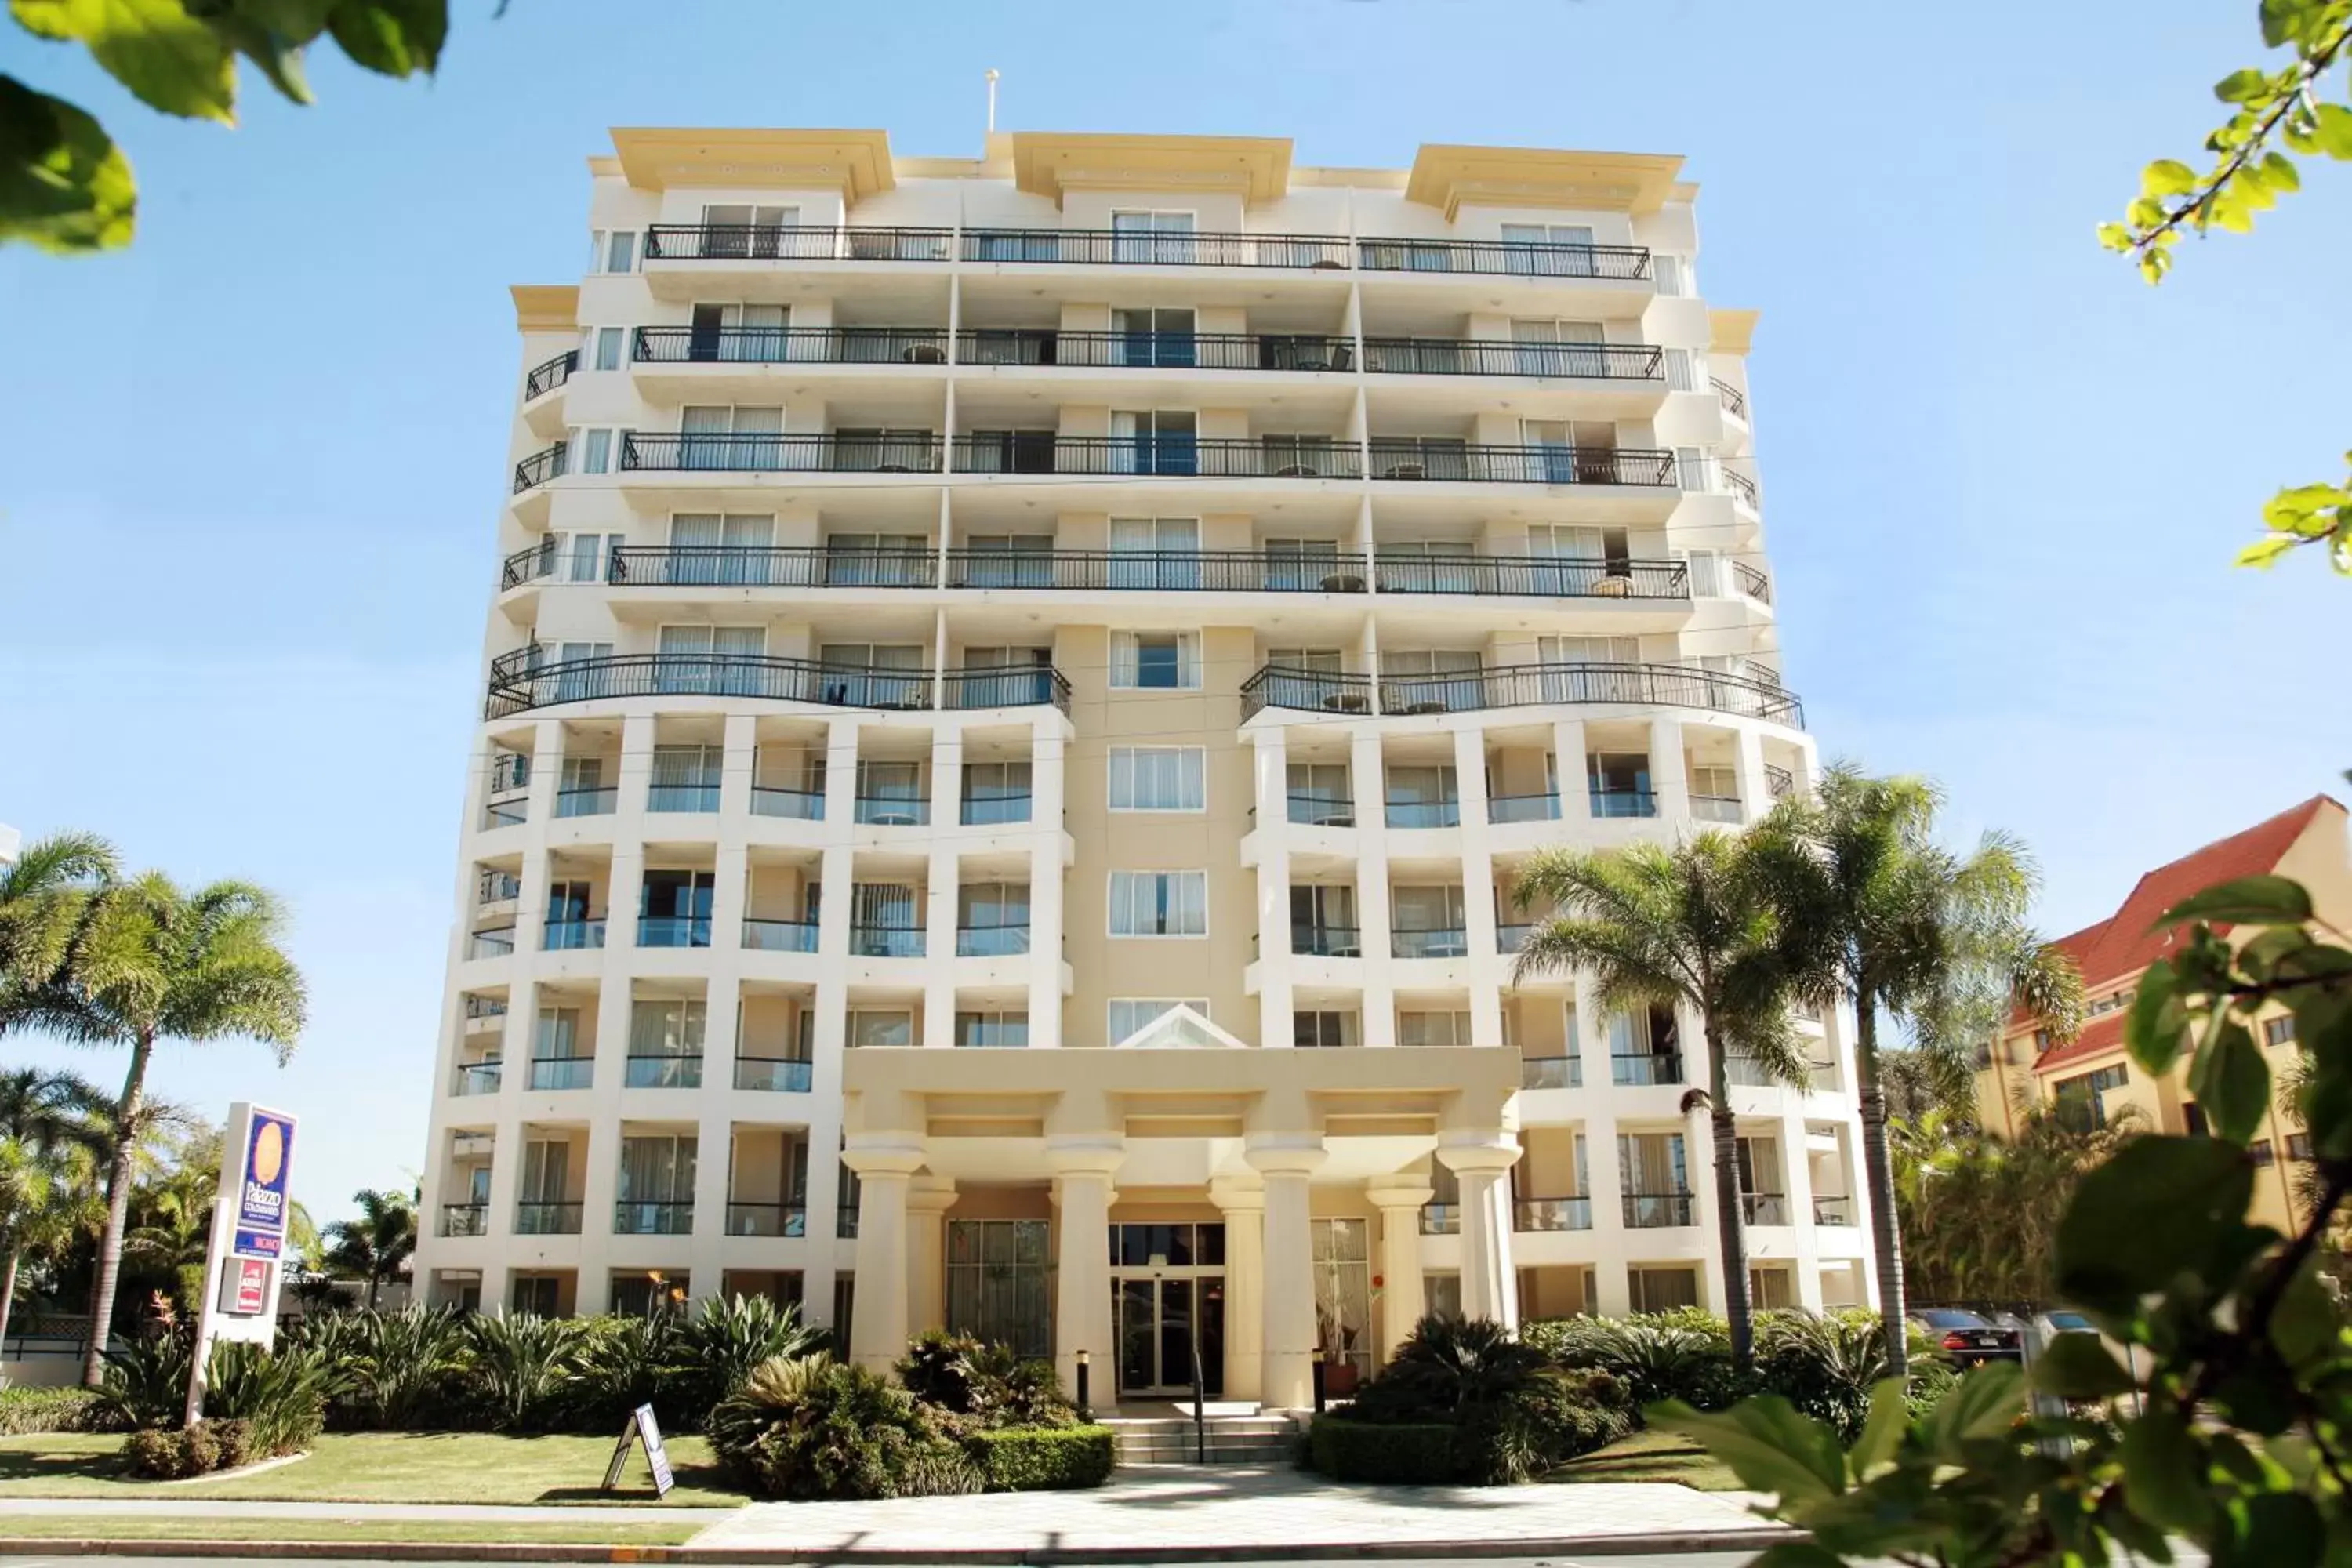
x=657 y=1169
x=666 y=1028
x=1159 y=903
x=1129 y=1013
x=1157 y=778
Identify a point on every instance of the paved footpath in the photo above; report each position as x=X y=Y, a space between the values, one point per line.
x=461 y=1512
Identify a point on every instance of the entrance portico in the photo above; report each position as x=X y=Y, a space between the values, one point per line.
x=1174 y=1195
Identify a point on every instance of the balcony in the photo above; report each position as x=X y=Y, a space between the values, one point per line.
x=1310 y=810
x=1551 y=1072
x=1764 y=1208
x=1450 y=356
x=663 y=1072
x=1018 y=347
x=465 y=1219
x=771 y=566
x=1551 y=1214
x=1430 y=942
x=526 y=679
x=886 y=942
x=890 y=810
x=773 y=1075
x=1461 y=463
x=1717 y=808
x=1654 y=1211
x=672 y=931
x=539 y=467
x=1421 y=812
x=992 y=941
x=1544 y=807
x=1646 y=1068
x=1512 y=935
x=535 y=1218
x=563 y=1072
x=789 y=345
x=1327 y=941
x=1752 y=583
x=798 y=242
x=767 y=1219
x=601 y=802
x=1006 y=686
x=1125 y=248
x=1522 y=685
x=780 y=936
x=485 y=1013
x=797 y=805
x=1184 y=457
x=682 y=797
x=1608 y=803
x=1533 y=577
x=1441 y=1219
x=994 y=810
x=678 y=452
x=497 y=943
x=475 y=1078
x=510 y=813
x=1158 y=571
x=1837 y=1210
x=572 y=936
x=1734 y=401
x=632 y=1216
x=1499 y=258
x=544 y=379
x=1748 y=1072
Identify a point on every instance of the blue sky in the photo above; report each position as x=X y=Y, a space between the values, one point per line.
x=249 y=471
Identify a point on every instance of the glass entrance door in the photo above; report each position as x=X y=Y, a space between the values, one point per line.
x=1157 y=1323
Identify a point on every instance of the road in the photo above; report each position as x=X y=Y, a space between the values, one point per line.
x=2185 y=1558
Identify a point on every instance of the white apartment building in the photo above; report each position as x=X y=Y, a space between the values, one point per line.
x=994 y=659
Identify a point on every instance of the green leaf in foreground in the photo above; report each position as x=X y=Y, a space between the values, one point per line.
x=1766 y=1444
x=168 y=58
x=64 y=185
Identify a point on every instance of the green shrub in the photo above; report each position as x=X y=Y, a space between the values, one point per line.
x=24 y=1411
x=176 y=1453
x=812 y=1427
x=1512 y=1412
x=520 y=1365
x=398 y=1372
x=1392 y=1453
x=979 y=1387
x=1684 y=1354
x=1043 y=1459
x=279 y=1399
x=147 y=1385
x=718 y=1347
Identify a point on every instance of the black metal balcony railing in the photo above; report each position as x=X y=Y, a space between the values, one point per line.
x=475 y=1078
x=1522 y=464
x=773 y=1074
x=1742 y=486
x=1752 y=583
x=1550 y=1072
x=663 y=1072
x=1505 y=258
x=797 y=242
x=800 y=805
x=539 y=467
x=465 y=1219
x=1646 y=1067
x=563 y=1072
x=672 y=931
x=789 y=345
x=1154 y=351
x=1441 y=1219
x=1833 y=1211
x=545 y=378
x=780 y=936
x=1544 y=807
x=1428 y=941
x=1650 y=1211
x=1158 y=571
x=1182 y=457
x=769 y=566
x=535 y=1218
x=527 y=565
x=992 y=941
x=1308 y=689
x=1123 y=248
x=1533 y=576
x=634 y=1217
x=766 y=1219
x=1313 y=810
x=1522 y=686
x=1010 y=685
x=526 y=678
x=1735 y=401
x=1606 y=803
x=1327 y=941
x=572 y=936
x=886 y=942
x=1421 y=812
x=601 y=802
x=1551 y=1214
x=679 y=451
x=1472 y=356
x=484 y=1009
x=1764 y=1208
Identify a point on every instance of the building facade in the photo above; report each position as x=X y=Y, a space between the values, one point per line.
x=2091 y=1079
x=1015 y=696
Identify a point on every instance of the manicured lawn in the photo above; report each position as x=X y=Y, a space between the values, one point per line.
x=1651 y=1456
x=108 y=1527
x=383 y=1467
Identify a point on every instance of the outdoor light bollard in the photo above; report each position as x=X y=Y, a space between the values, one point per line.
x=1318 y=1382
x=1086 y=1406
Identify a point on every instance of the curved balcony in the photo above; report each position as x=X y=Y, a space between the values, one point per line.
x=1475 y=356
x=1017 y=347
x=1461 y=463
x=539 y=467
x=796 y=242
x=1126 y=248
x=545 y=378
x=1519 y=686
x=789 y=345
x=1504 y=258
x=1533 y=576
x=525 y=680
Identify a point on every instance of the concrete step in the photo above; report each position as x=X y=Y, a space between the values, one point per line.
x=1252 y=1440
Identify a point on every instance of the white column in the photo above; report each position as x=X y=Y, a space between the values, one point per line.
x=877 y=1337
x=1755 y=789
x=1049 y=752
x=944 y=878
x=738 y=757
x=928 y=1198
x=1487 y=965
x=1287 y=1162
x=1482 y=1159
x=1572 y=771
x=1270 y=759
x=1368 y=783
x=1242 y=1200
x=1669 y=780
x=1082 y=1167
x=1399 y=1199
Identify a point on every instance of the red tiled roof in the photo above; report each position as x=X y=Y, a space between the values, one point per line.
x=2103 y=1033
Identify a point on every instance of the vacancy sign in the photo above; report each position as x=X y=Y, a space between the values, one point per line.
x=242 y=1264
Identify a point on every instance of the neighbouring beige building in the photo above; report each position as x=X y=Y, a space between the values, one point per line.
x=2092 y=1077
x=1015 y=696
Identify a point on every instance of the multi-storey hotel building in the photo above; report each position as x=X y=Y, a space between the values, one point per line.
x=1015 y=699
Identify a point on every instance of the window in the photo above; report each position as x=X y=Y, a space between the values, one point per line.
x=1128 y=1015
x=1155 y=661
x=2263 y=1152
x=2081 y=1101
x=1441 y=1295
x=665 y=1045
x=1341 y=1255
x=1643 y=1048
x=1770 y=1289
x=608 y=347
x=2115 y=1003
x=1144 y=235
x=595 y=449
x=985 y=1031
x=1326 y=1031
x=1671 y=273
x=537 y=1295
x=1000 y=1283
x=1661 y=1289
x=649 y=1292
x=1619 y=783
x=1158 y=778
x=2298 y=1147
x=995 y=792
x=1158 y=553
x=587 y=555
x=612 y=251
x=656 y=1190
x=1685 y=370
x=2278 y=1031
x=1160 y=903
x=1433 y=1030
x=871 y=1029
x=685 y=778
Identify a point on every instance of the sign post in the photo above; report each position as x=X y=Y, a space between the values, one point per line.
x=642 y=1425
x=243 y=1262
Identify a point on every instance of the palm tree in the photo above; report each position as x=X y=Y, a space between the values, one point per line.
x=376 y=1245
x=1879 y=916
x=49 y=1138
x=174 y=1219
x=1686 y=926
x=158 y=963
x=44 y=898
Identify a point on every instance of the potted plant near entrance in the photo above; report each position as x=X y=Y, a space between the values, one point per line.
x=1336 y=1344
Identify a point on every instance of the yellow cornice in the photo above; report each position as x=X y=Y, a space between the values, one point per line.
x=1050 y=164
x=854 y=163
x=1449 y=177
x=546 y=307
x=1730 y=331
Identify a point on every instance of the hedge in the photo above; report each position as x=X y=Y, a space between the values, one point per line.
x=1398 y=1455
x=26 y=1411
x=1043 y=1458
x=171 y=1454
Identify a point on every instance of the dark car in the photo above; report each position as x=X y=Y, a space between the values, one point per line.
x=1969 y=1339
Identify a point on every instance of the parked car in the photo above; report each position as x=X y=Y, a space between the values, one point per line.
x=1969 y=1339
